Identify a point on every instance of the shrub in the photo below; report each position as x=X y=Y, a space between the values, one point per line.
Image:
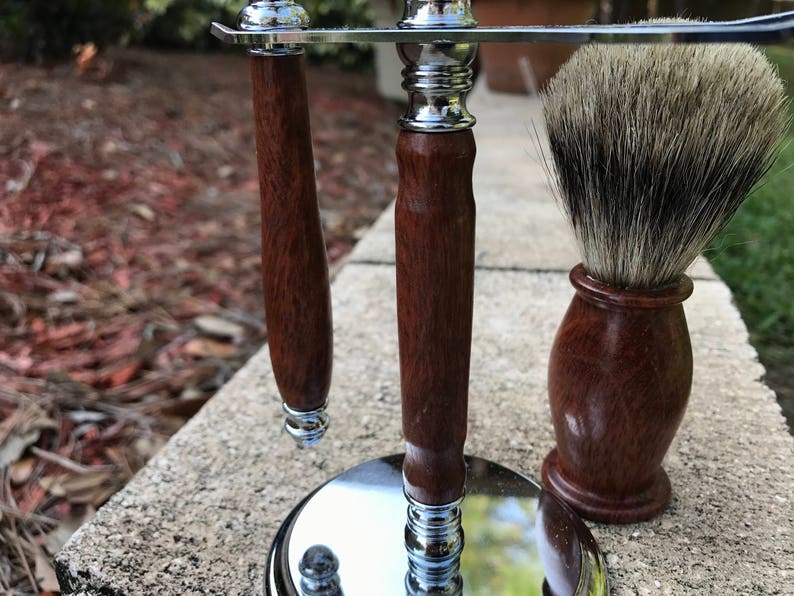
x=714 y=9
x=184 y=23
x=41 y=29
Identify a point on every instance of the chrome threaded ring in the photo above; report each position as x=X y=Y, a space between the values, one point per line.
x=307 y=428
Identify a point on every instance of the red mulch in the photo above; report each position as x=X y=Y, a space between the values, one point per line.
x=129 y=265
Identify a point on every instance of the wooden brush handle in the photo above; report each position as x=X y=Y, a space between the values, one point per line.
x=434 y=223
x=294 y=266
x=620 y=371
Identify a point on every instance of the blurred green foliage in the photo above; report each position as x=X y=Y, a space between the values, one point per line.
x=340 y=13
x=36 y=30
x=33 y=30
x=185 y=23
x=500 y=556
x=714 y=9
x=754 y=254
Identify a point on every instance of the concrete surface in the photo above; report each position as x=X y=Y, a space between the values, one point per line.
x=519 y=226
x=199 y=519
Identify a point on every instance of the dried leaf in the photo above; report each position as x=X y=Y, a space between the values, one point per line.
x=52 y=484
x=79 y=483
x=89 y=488
x=147 y=447
x=45 y=574
x=55 y=539
x=80 y=416
x=68 y=259
x=20 y=364
x=67 y=336
x=184 y=408
x=218 y=327
x=202 y=348
x=225 y=171
x=64 y=297
x=143 y=211
x=120 y=374
x=85 y=55
x=121 y=277
x=15 y=444
x=39 y=149
x=21 y=470
x=30 y=418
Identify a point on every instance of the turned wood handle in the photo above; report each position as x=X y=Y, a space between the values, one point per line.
x=620 y=372
x=434 y=229
x=294 y=266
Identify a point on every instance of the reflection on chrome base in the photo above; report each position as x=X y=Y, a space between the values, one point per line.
x=520 y=538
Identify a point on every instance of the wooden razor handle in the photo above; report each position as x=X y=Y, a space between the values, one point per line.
x=294 y=266
x=434 y=229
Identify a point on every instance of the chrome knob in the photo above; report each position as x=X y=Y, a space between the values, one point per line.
x=318 y=568
x=273 y=16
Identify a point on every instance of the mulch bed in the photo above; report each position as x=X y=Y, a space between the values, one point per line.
x=129 y=265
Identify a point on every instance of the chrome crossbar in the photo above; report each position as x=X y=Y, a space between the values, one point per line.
x=765 y=29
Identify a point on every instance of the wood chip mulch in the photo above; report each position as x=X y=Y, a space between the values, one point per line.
x=129 y=265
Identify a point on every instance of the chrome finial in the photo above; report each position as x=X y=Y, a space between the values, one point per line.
x=307 y=428
x=437 y=76
x=437 y=13
x=318 y=568
x=278 y=15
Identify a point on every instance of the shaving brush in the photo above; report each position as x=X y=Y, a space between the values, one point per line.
x=654 y=148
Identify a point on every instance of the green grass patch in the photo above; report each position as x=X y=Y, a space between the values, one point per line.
x=754 y=254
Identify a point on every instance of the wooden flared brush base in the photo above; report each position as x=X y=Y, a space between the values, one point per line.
x=619 y=510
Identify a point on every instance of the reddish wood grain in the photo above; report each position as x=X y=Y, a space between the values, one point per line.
x=619 y=379
x=294 y=267
x=434 y=228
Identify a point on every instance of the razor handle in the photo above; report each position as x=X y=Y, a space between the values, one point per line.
x=434 y=232
x=294 y=266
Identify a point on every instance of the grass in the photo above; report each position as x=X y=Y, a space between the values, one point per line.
x=754 y=254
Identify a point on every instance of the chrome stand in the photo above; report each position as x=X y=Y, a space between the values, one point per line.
x=366 y=532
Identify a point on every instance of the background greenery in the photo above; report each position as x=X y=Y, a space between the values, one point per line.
x=713 y=9
x=754 y=254
x=40 y=30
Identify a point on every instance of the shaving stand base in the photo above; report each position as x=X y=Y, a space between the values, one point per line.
x=519 y=538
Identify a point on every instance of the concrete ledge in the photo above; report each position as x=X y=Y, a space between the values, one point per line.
x=519 y=226
x=199 y=519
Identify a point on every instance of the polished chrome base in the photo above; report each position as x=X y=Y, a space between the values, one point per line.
x=519 y=538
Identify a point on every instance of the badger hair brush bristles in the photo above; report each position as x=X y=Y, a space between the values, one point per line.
x=654 y=149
